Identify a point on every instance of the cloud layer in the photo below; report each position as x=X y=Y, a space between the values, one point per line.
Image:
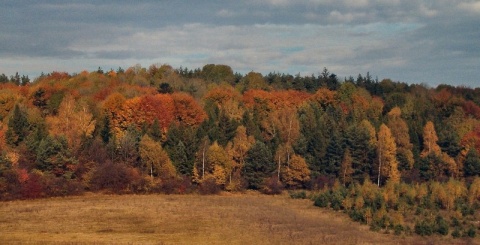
x=429 y=42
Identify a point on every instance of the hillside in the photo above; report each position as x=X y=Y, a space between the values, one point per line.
x=389 y=154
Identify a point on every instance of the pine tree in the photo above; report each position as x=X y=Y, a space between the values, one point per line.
x=258 y=165
x=18 y=127
x=471 y=166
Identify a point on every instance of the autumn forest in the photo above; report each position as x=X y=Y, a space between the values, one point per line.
x=371 y=148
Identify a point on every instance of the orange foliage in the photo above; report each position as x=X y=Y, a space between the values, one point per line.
x=227 y=99
x=472 y=139
x=275 y=100
x=187 y=110
x=324 y=97
x=222 y=94
x=102 y=94
x=160 y=106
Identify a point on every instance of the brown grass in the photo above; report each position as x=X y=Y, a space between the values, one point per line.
x=185 y=219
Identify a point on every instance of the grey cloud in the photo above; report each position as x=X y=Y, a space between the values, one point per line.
x=415 y=41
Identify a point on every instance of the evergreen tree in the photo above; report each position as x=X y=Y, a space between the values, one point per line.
x=334 y=155
x=226 y=129
x=54 y=155
x=180 y=159
x=471 y=166
x=258 y=165
x=106 y=132
x=18 y=127
x=155 y=131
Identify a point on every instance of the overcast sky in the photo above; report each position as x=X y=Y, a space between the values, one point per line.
x=414 y=41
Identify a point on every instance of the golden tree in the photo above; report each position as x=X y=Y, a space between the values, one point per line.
x=387 y=160
x=237 y=150
x=399 y=130
x=155 y=159
x=346 y=169
x=430 y=139
x=431 y=148
x=297 y=173
x=74 y=121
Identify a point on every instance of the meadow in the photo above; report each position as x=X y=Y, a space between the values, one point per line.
x=247 y=218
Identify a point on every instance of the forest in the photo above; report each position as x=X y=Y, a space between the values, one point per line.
x=175 y=130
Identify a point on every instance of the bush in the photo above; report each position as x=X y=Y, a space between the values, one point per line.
x=398 y=229
x=441 y=226
x=322 y=200
x=471 y=232
x=424 y=228
x=336 y=200
x=209 y=187
x=357 y=216
x=456 y=233
x=298 y=194
x=114 y=177
x=272 y=186
x=59 y=186
x=181 y=185
x=34 y=186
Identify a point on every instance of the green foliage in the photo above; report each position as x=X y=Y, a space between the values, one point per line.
x=322 y=200
x=441 y=226
x=424 y=228
x=258 y=165
x=298 y=194
x=54 y=156
x=471 y=166
x=18 y=127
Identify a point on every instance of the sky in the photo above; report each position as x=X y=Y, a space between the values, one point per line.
x=415 y=41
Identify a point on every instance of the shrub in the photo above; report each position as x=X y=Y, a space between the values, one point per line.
x=114 y=177
x=34 y=186
x=272 y=186
x=441 y=226
x=456 y=233
x=209 y=187
x=59 y=186
x=178 y=185
x=298 y=194
x=322 y=200
x=424 y=228
x=336 y=200
x=357 y=215
x=471 y=232
x=398 y=229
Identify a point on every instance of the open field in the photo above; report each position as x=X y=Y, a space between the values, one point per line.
x=185 y=219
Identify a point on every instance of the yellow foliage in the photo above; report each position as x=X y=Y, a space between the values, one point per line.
x=73 y=121
x=474 y=190
x=387 y=150
x=297 y=173
x=155 y=160
x=430 y=139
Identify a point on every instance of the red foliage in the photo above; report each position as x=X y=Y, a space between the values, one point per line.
x=472 y=109
x=33 y=187
x=472 y=139
x=102 y=94
x=187 y=110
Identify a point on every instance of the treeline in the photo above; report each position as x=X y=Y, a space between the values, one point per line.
x=160 y=129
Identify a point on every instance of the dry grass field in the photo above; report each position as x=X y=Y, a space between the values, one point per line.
x=248 y=218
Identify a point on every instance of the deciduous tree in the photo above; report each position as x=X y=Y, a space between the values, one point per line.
x=387 y=160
